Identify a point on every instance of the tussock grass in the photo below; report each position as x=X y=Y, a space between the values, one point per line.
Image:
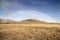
x=29 y=33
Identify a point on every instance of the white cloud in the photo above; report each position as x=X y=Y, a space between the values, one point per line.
x=10 y=7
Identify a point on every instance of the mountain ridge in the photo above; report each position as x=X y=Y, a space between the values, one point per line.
x=26 y=21
x=31 y=21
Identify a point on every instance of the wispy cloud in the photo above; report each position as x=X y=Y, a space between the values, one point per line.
x=39 y=2
x=10 y=7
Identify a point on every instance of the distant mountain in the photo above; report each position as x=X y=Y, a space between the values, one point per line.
x=7 y=21
x=31 y=21
x=27 y=21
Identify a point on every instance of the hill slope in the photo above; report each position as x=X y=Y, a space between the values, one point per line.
x=27 y=21
x=7 y=21
x=31 y=21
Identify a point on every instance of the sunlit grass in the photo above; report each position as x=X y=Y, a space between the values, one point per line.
x=29 y=32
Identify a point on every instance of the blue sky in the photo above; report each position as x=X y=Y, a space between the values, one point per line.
x=49 y=8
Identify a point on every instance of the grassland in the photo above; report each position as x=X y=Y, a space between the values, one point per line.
x=29 y=31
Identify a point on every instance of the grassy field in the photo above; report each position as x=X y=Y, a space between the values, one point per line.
x=29 y=32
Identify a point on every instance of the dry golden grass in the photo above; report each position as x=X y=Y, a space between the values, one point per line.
x=29 y=32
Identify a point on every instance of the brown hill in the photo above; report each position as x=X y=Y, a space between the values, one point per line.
x=31 y=21
x=7 y=21
x=27 y=21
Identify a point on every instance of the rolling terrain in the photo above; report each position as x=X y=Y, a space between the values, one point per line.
x=29 y=29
